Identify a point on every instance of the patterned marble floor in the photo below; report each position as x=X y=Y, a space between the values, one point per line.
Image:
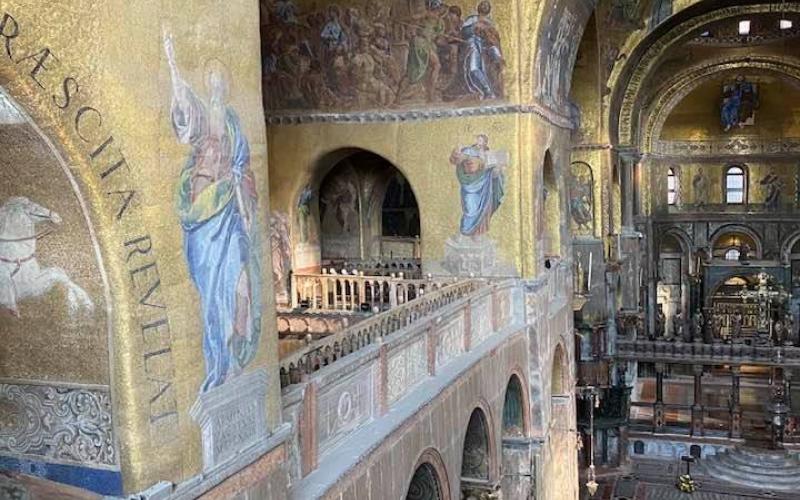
x=657 y=492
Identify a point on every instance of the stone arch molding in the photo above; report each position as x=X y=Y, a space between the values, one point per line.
x=788 y=244
x=684 y=83
x=680 y=234
x=630 y=89
x=738 y=228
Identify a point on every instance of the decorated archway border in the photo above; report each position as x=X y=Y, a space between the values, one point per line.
x=685 y=82
x=629 y=90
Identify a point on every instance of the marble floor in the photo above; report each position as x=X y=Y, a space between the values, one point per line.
x=660 y=492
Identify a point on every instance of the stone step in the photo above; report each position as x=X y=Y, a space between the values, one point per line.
x=760 y=454
x=775 y=470
x=734 y=462
x=787 y=462
x=716 y=468
x=752 y=482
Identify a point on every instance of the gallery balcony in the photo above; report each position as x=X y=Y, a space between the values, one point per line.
x=692 y=353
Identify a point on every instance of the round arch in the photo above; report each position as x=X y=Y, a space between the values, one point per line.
x=428 y=480
x=478 y=461
x=679 y=235
x=787 y=246
x=559 y=374
x=675 y=90
x=733 y=229
x=516 y=407
x=551 y=208
x=629 y=79
x=714 y=287
x=345 y=194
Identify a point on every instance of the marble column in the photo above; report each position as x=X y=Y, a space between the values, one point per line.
x=736 y=408
x=787 y=387
x=658 y=407
x=697 y=407
x=627 y=161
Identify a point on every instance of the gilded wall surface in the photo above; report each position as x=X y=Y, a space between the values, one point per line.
x=116 y=176
x=699 y=114
x=770 y=185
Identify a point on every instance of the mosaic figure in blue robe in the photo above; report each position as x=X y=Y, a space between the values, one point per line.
x=217 y=205
x=739 y=101
x=482 y=186
x=480 y=57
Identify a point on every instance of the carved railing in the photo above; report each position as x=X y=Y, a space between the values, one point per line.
x=411 y=268
x=325 y=351
x=346 y=292
x=341 y=383
x=302 y=323
x=699 y=352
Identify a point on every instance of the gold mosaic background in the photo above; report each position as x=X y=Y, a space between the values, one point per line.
x=114 y=50
x=44 y=342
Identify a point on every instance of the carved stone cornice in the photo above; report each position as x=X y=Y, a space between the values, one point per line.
x=722 y=149
x=57 y=423
x=652 y=56
x=551 y=116
x=592 y=147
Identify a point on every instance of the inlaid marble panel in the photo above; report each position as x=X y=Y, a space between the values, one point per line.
x=481 y=320
x=451 y=340
x=406 y=368
x=344 y=407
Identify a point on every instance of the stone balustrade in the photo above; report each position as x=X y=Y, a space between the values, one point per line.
x=347 y=292
x=325 y=351
x=699 y=352
x=411 y=268
x=337 y=384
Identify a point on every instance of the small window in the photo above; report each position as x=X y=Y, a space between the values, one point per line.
x=744 y=27
x=695 y=451
x=672 y=187
x=638 y=447
x=785 y=24
x=732 y=254
x=734 y=185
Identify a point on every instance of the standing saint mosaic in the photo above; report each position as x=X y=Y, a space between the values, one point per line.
x=217 y=205
x=739 y=102
x=481 y=173
x=581 y=198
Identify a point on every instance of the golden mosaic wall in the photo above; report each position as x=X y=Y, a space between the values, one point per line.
x=697 y=117
x=100 y=90
x=711 y=190
x=53 y=308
